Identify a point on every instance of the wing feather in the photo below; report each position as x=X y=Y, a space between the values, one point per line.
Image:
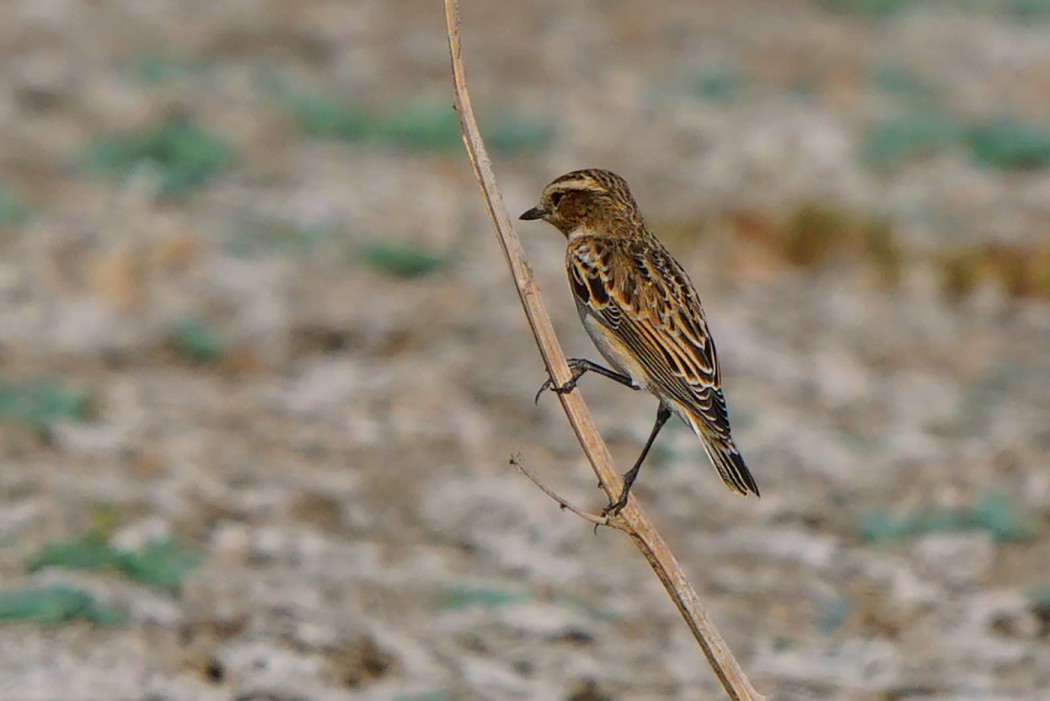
x=640 y=292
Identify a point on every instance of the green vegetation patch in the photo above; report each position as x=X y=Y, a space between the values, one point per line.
x=993 y=513
x=326 y=118
x=186 y=156
x=905 y=86
x=912 y=134
x=198 y=341
x=163 y=67
x=866 y=8
x=422 y=126
x=402 y=261
x=42 y=402
x=163 y=564
x=512 y=136
x=54 y=604
x=720 y=85
x=1028 y=10
x=12 y=211
x=1010 y=145
x=1007 y=144
x=490 y=597
x=835 y=613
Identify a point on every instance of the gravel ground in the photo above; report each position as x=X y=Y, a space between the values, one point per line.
x=261 y=367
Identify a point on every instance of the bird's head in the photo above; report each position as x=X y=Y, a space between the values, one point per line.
x=594 y=202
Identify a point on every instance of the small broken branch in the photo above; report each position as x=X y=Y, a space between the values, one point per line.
x=631 y=519
x=596 y=519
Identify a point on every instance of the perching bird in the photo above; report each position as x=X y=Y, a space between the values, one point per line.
x=642 y=312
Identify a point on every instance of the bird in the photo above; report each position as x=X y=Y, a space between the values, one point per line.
x=643 y=314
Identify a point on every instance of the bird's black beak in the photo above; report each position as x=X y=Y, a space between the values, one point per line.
x=534 y=213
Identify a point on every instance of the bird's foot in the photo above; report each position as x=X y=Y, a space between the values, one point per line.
x=577 y=366
x=614 y=508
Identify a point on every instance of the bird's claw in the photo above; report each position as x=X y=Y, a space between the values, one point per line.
x=616 y=507
x=559 y=389
x=569 y=386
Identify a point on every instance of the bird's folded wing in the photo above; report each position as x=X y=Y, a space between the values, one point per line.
x=641 y=294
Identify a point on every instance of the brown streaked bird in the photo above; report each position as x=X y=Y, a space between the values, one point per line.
x=643 y=313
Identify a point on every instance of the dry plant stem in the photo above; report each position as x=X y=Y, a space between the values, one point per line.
x=631 y=518
x=596 y=519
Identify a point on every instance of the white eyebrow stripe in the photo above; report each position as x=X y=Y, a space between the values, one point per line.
x=574 y=184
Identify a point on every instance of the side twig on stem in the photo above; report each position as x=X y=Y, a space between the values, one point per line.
x=631 y=519
x=596 y=519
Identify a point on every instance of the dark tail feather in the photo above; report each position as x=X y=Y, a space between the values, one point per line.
x=730 y=464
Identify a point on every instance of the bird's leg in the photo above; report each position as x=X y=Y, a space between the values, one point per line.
x=662 y=414
x=579 y=367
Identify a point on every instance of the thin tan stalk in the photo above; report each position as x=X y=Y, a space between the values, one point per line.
x=631 y=519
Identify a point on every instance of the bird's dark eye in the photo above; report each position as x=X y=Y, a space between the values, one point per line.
x=556 y=198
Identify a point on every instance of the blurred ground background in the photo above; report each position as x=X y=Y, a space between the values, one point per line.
x=263 y=367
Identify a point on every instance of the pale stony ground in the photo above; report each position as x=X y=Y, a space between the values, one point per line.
x=344 y=470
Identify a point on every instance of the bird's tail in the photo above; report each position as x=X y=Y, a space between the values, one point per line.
x=727 y=460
